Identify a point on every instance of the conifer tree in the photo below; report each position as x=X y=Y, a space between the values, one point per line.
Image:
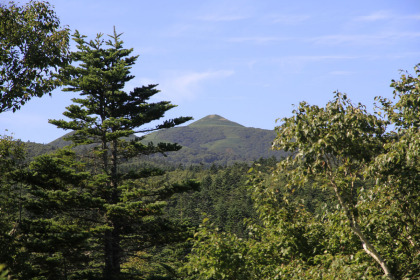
x=11 y=161
x=60 y=222
x=107 y=117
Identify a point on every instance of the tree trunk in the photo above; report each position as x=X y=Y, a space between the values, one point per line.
x=367 y=246
x=112 y=268
x=113 y=250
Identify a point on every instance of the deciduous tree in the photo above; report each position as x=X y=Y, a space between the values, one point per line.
x=333 y=146
x=369 y=162
x=32 y=48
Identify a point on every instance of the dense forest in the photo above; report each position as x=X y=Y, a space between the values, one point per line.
x=338 y=199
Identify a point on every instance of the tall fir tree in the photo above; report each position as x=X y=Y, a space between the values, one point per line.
x=108 y=116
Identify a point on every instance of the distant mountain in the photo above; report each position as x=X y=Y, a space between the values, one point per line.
x=60 y=142
x=212 y=139
x=214 y=120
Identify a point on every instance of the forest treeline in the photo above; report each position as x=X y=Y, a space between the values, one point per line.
x=343 y=204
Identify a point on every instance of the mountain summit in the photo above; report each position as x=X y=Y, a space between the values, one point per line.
x=215 y=139
x=214 y=120
x=212 y=139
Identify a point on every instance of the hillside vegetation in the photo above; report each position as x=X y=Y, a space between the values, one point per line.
x=214 y=139
x=338 y=199
x=210 y=140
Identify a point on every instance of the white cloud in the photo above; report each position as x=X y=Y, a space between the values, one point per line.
x=177 y=30
x=336 y=39
x=258 y=39
x=363 y=39
x=400 y=55
x=290 y=19
x=178 y=87
x=219 y=17
x=375 y=16
x=297 y=63
x=386 y=15
x=341 y=73
x=414 y=17
x=311 y=58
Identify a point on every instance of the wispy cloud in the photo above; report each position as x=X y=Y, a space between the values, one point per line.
x=221 y=17
x=375 y=16
x=290 y=19
x=258 y=39
x=414 y=17
x=181 y=29
x=321 y=57
x=399 y=55
x=335 y=39
x=341 y=73
x=188 y=85
x=297 y=63
x=363 y=39
x=386 y=15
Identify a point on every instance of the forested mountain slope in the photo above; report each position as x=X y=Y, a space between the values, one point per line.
x=212 y=139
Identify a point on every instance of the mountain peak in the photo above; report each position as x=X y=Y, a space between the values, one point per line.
x=215 y=117
x=214 y=120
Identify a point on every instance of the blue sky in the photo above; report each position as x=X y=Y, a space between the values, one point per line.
x=248 y=61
